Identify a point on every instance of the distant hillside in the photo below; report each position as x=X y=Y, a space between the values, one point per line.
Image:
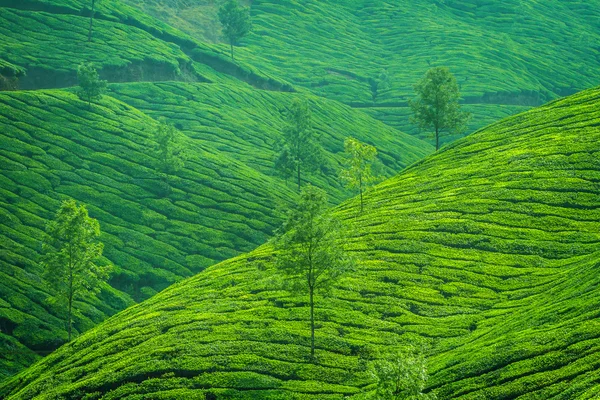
x=48 y=39
x=507 y=56
x=486 y=254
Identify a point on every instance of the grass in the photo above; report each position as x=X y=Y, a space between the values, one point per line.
x=484 y=254
x=225 y=201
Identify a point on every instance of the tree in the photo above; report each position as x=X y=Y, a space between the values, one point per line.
x=358 y=173
x=90 y=85
x=436 y=104
x=70 y=250
x=235 y=21
x=170 y=152
x=402 y=377
x=298 y=148
x=381 y=82
x=91 y=29
x=310 y=251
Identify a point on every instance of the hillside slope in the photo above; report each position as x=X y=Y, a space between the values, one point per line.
x=513 y=54
x=48 y=39
x=227 y=199
x=485 y=254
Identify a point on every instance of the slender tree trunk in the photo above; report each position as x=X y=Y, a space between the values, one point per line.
x=312 y=323
x=299 y=180
x=231 y=44
x=437 y=139
x=69 y=311
x=91 y=22
x=361 y=192
x=69 y=315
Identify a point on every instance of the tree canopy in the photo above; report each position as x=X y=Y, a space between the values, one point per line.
x=299 y=149
x=436 y=105
x=358 y=172
x=70 y=251
x=235 y=21
x=310 y=249
x=91 y=87
x=402 y=377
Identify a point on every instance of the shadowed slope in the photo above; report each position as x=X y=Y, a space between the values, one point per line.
x=485 y=253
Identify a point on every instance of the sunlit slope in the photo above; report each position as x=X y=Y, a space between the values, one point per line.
x=486 y=254
x=227 y=199
x=511 y=53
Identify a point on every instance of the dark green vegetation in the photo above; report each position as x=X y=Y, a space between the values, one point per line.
x=485 y=255
x=510 y=54
x=71 y=250
x=311 y=251
x=235 y=22
x=436 y=105
x=48 y=39
x=299 y=148
x=358 y=169
x=226 y=199
x=91 y=87
x=9 y=75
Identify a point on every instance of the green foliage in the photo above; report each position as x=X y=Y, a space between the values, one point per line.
x=299 y=148
x=70 y=256
x=487 y=252
x=494 y=49
x=91 y=87
x=402 y=377
x=235 y=21
x=310 y=248
x=92 y=14
x=170 y=152
x=223 y=201
x=358 y=172
x=436 y=104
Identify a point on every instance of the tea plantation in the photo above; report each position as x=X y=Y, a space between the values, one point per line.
x=226 y=200
x=512 y=53
x=485 y=255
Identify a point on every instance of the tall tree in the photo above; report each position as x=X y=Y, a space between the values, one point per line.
x=70 y=250
x=235 y=21
x=436 y=104
x=298 y=149
x=91 y=29
x=402 y=377
x=90 y=85
x=170 y=151
x=358 y=173
x=310 y=251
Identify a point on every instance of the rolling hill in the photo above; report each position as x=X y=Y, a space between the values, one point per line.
x=508 y=56
x=485 y=255
x=225 y=201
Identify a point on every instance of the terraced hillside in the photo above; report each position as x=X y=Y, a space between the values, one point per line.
x=513 y=53
x=485 y=254
x=49 y=39
x=225 y=201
